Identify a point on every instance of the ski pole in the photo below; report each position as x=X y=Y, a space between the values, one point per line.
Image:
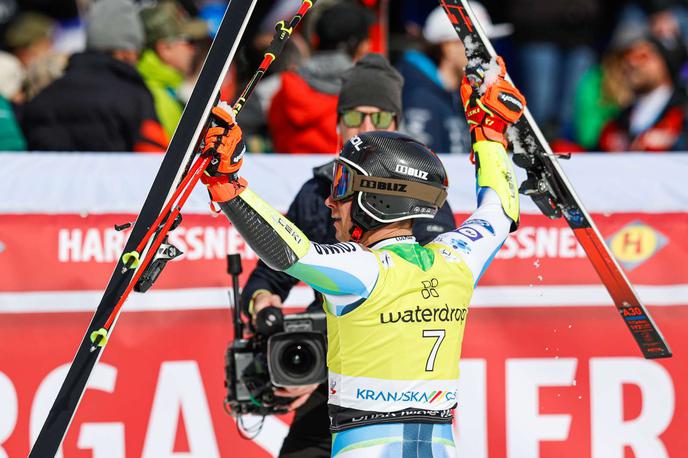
x=551 y=191
x=274 y=49
x=99 y=337
x=132 y=259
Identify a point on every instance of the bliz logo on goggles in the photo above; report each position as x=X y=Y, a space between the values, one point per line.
x=344 y=186
x=346 y=181
x=381 y=185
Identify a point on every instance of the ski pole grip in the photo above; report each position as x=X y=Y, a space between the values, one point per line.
x=282 y=34
x=283 y=30
x=475 y=75
x=234 y=264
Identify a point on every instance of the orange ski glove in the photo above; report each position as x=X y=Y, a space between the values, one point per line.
x=491 y=114
x=225 y=143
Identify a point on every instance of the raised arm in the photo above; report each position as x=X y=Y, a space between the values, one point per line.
x=275 y=239
x=489 y=116
x=308 y=211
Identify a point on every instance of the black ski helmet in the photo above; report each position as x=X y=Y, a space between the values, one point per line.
x=391 y=177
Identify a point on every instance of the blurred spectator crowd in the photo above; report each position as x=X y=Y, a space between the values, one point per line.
x=114 y=75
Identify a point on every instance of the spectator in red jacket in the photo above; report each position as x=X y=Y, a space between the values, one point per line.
x=303 y=113
x=656 y=120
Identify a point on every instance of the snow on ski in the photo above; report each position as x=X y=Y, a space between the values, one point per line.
x=173 y=170
x=554 y=195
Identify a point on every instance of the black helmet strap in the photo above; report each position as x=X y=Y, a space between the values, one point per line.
x=400 y=188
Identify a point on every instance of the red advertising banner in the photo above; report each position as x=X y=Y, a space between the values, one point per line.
x=566 y=381
x=72 y=252
x=548 y=367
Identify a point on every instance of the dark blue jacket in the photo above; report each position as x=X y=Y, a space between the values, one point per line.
x=99 y=104
x=310 y=214
x=432 y=115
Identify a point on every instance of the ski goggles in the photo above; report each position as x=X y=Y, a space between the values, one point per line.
x=346 y=181
x=379 y=119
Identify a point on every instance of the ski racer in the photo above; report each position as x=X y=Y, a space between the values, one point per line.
x=396 y=310
x=370 y=99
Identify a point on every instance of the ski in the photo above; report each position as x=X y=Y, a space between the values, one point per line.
x=151 y=220
x=552 y=192
x=147 y=251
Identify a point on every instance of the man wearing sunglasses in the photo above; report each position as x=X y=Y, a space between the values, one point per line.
x=370 y=99
x=396 y=310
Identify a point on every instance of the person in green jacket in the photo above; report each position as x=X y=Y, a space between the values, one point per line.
x=11 y=79
x=11 y=138
x=601 y=94
x=168 y=58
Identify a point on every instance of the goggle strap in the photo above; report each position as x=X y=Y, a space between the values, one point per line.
x=401 y=188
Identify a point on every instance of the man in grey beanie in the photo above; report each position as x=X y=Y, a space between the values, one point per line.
x=115 y=26
x=101 y=102
x=370 y=99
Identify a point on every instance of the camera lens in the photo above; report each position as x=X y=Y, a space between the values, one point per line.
x=297 y=359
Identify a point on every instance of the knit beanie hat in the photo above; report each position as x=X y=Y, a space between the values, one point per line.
x=112 y=25
x=28 y=28
x=169 y=20
x=374 y=82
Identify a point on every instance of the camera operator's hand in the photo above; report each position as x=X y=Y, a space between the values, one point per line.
x=301 y=393
x=264 y=299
